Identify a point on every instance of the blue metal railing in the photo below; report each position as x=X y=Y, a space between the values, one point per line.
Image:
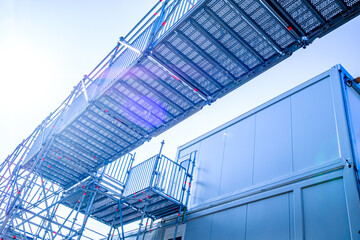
x=118 y=170
x=116 y=173
x=152 y=27
x=169 y=178
x=162 y=175
x=140 y=176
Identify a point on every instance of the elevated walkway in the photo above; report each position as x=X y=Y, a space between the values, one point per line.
x=182 y=56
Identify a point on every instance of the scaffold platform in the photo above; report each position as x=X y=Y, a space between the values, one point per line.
x=159 y=186
x=181 y=56
x=109 y=184
x=169 y=67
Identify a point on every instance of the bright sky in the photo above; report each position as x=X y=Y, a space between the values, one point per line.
x=47 y=46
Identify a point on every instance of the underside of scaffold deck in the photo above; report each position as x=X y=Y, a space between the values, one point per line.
x=193 y=53
x=182 y=56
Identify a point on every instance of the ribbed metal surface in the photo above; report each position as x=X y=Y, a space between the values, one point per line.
x=102 y=206
x=164 y=195
x=109 y=186
x=301 y=14
x=118 y=170
x=170 y=178
x=351 y=2
x=140 y=176
x=160 y=174
x=160 y=184
x=185 y=57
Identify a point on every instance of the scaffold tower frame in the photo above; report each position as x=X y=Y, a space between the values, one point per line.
x=181 y=56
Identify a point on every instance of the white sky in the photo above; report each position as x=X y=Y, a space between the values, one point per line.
x=47 y=46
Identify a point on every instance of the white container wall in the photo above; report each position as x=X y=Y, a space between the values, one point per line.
x=284 y=170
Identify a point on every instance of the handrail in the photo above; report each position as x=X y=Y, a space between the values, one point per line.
x=160 y=174
x=133 y=37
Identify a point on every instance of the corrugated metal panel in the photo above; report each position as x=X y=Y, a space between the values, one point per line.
x=179 y=11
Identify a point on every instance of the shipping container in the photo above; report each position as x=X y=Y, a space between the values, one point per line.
x=284 y=170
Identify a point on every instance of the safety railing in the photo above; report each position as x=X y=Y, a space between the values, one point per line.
x=116 y=173
x=169 y=178
x=151 y=28
x=118 y=170
x=161 y=175
x=160 y=19
x=140 y=176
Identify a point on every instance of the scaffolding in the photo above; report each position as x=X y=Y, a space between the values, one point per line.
x=116 y=195
x=159 y=187
x=180 y=57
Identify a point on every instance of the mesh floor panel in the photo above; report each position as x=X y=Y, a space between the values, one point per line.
x=202 y=53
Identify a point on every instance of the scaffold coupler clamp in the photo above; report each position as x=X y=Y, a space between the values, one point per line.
x=304 y=42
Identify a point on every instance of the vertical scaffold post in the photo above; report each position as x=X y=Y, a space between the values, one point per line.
x=120 y=210
x=192 y=157
x=112 y=228
x=48 y=209
x=76 y=215
x=31 y=174
x=84 y=88
x=161 y=148
x=151 y=224
x=147 y=221
x=163 y=21
x=177 y=222
x=141 y=221
x=121 y=223
x=109 y=237
x=87 y=212
x=189 y=176
x=90 y=203
x=154 y=172
x=66 y=219
x=156 y=24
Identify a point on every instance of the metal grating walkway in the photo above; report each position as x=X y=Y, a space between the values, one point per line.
x=182 y=56
x=187 y=54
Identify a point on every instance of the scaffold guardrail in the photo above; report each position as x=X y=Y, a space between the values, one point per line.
x=182 y=56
